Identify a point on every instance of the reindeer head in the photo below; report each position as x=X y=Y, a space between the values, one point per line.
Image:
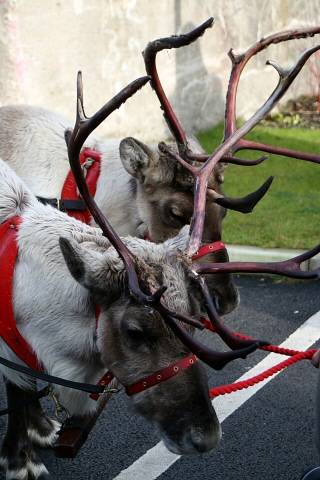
x=149 y=293
x=134 y=340
x=165 y=201
x=165 y=191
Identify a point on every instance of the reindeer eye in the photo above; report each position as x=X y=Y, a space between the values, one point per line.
x=135 y=334
x=173 y=215
x=176 y=216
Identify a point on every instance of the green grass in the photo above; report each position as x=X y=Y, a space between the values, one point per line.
x=289 y=215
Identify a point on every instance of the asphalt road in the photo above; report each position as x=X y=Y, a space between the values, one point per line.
x=271 y=436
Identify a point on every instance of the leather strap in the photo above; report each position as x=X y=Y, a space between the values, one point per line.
x=70 y=191
x=151 y=380
x=70 y=201
x=8 y=328
x=209 y=248
x=161 y=375
x=63 y=205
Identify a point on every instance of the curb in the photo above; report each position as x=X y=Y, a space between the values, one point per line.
x=241 y=253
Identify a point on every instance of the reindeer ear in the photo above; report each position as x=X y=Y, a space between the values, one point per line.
x=135 y=157
x=101 y=272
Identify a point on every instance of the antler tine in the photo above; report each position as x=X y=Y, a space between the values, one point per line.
x=214 y=359
x=288 y=268
x=233 y=341
x=149 y=55
x=238 y=64
x=202 y=175
x=202 y=157
x=82 y=129
x=81 y=116
x=244 y=204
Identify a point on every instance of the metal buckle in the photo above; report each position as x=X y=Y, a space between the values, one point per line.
x=110 y=390
x=59 y=408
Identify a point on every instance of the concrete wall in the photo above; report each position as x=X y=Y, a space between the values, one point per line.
x=44 y=42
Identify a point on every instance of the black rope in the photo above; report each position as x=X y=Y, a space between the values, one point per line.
x=84 y=387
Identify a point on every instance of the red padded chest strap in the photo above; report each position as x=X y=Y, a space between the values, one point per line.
x=69 y=189
x=8 y=328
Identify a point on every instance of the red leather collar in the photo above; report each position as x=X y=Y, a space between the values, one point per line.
x=203 y=251
x=161 y=375
x=151 y=380
x=8 y=328
x=208 y=248
x=69 y=189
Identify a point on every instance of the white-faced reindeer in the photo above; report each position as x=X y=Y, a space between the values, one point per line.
x=150 y=296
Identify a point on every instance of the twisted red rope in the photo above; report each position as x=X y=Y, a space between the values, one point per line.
x=295 y=356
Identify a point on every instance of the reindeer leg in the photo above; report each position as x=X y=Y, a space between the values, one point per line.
x=42 y=430
x=18 y=457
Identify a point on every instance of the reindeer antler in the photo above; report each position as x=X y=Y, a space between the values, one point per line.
x=178 y=132
x=234 y=136
x=288 y=268
x=238 y=64
x=75 y=140
x=82 y=129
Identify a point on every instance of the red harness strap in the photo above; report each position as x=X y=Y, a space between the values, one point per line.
x=208 y=248
x=69 y=189
x=151 y=380
x=8 y=328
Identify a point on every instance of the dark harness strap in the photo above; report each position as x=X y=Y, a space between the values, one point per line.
x=70 y=201
x=64 y=205
x=84 y=387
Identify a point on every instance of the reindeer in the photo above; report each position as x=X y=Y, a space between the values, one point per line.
x=142 y=190
x=150 y=297
x=138 y=332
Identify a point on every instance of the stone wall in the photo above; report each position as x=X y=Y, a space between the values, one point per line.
x=44 y=42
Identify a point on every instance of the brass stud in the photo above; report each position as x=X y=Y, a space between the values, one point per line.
x=144 y=384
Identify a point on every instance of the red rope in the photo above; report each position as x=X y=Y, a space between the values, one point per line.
x=295 y=356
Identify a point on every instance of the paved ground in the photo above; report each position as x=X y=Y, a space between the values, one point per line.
x=269 y=437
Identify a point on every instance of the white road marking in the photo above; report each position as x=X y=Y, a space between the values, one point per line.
x=158 y=459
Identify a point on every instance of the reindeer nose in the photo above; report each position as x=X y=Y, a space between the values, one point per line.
x=205 y=440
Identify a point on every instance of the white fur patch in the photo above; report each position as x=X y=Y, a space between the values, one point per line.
x=45 y=440
x=21 y=474
x=3 y=462
x=36 y=469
